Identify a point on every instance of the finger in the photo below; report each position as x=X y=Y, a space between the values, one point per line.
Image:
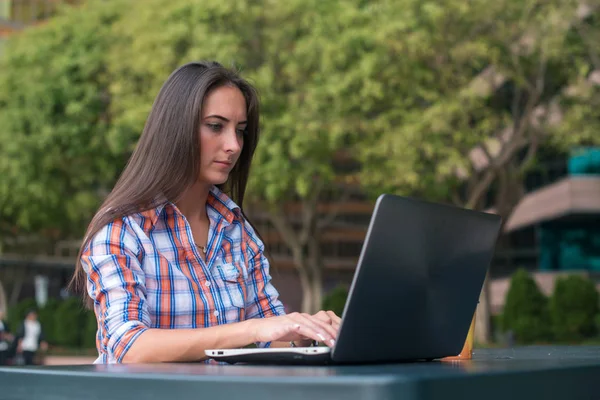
x=335 y=320
x=323 y=316
x=334 y=317
x=330 y=331
x=312 y=334
x=296 y=332
x=322 y=331
x=330 y=318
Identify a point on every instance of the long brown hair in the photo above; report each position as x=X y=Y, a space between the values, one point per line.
x=166 y=160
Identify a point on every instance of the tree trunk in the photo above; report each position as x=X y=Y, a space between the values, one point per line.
x=311 y=280
x=316 y=292
x=307 y=290
x=305 y=243
x=483 y=326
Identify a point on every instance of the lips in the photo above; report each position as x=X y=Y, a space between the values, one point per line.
x=224 y=164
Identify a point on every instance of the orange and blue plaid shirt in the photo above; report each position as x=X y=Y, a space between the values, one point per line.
x=144 y=272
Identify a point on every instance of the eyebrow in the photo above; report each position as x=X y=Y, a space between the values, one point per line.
x=224 y=119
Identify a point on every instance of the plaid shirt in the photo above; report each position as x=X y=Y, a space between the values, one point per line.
x=144 y=272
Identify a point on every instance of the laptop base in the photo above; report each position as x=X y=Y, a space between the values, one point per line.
x=279 y=356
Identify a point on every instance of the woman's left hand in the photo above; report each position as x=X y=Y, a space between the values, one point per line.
x=329 y=318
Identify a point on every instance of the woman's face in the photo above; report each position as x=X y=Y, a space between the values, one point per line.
x=222 y=129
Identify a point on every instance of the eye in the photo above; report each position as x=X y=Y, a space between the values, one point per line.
x=215 y=127
x=242 y=132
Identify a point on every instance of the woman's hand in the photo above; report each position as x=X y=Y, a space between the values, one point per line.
x=330 y=318
x=321 y=327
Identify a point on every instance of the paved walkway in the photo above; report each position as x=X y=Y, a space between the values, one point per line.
x=68 y=360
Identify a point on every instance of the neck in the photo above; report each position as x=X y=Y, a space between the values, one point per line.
x=193 y=201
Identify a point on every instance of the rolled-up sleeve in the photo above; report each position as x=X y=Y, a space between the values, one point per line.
x=116 y=284
x=262 y=298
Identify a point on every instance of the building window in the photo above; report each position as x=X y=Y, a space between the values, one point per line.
x=585 y=161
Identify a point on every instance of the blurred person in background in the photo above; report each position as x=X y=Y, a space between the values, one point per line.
x=30 y=339
x=170 y=261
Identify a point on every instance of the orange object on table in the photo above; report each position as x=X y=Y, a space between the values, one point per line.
x=467 y=350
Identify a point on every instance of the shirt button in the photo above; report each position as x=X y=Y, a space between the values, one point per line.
x=207 y=283
x=216 y=313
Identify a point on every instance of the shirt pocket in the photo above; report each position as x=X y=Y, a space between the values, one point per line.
x=233 y=282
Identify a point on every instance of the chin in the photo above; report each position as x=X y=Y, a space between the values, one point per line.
x=217 y=179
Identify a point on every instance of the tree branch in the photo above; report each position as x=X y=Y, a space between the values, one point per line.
x=456 y=200
x=583 y=33
x=516 y=101
x=481 y=188
x=332 y=215
x=496 y=78
x=284 y=227
x=486 y=152
x=314 y=251
x=540 y=82
x=309 y=212
x=531 y=152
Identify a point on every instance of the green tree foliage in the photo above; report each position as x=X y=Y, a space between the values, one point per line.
x=70 y=323
x=56 y=159
x=496 y=82
x=90 y=330
x=525 y=310
x=47 y=317
x=573 y=308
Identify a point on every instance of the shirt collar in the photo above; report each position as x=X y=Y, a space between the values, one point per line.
x=217 y=199
x=223 y=204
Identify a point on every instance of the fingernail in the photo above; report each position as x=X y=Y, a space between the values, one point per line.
x=321 y=337
x=332 y=342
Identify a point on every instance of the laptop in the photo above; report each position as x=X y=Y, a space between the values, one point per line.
x=414 y=292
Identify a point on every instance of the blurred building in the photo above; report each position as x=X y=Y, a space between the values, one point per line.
x=555 y=229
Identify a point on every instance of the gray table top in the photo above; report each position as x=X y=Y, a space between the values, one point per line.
x=544 y=372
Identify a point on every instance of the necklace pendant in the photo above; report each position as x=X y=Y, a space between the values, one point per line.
x=201 y=248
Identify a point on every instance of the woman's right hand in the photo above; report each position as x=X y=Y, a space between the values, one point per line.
x=292 y=327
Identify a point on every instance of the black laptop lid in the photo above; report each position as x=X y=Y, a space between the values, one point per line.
x=417 y=283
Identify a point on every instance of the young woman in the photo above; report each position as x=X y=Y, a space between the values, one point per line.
x=170 y=261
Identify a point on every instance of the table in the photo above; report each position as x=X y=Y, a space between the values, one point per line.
x=544 y=372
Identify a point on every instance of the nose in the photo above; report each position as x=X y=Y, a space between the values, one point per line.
x=233 y=142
